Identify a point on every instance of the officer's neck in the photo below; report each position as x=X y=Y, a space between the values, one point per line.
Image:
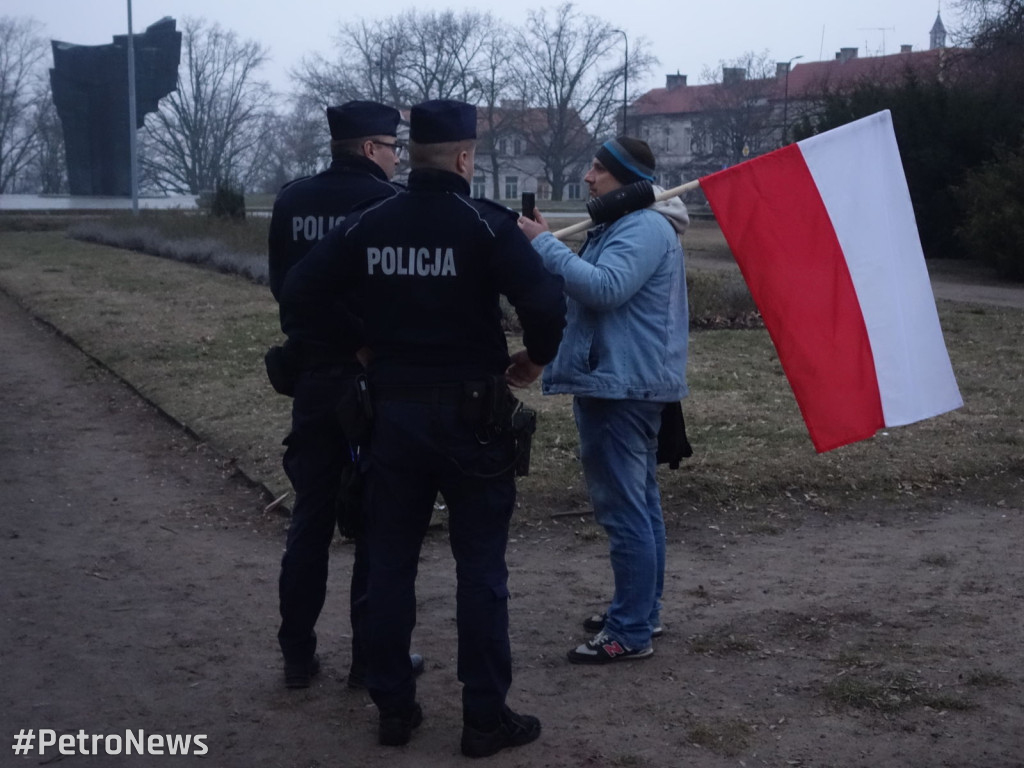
x=437 y=178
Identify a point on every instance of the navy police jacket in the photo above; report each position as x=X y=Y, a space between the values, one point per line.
x=423 y=271
x=306 y=209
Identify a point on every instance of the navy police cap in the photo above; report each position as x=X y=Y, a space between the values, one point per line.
x=356 y=119
x=442 y=120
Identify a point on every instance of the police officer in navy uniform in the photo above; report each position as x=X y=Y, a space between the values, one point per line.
x=365 y=154
x=364 y=157
x=424 y=270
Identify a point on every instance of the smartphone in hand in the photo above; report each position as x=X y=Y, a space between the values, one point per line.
x=529 y=204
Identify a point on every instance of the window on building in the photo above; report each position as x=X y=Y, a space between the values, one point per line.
x=511 y=187
x=503 y=147
x=517 y=147
x=479 y=186
x=543 y=190
x=572 y=191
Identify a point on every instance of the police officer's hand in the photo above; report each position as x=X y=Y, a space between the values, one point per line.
x=533 y=227
x=523 y=370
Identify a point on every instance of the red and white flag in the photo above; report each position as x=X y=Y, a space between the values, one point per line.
x=824 y=234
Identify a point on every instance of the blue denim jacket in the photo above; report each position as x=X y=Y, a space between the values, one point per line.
x=628 y=319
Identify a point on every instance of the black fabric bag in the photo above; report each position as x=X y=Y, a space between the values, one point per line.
x=673 y=445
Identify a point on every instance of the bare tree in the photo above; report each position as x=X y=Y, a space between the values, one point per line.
x=564 y=69
x=48 y=166
x=356 y=73
x=298 y=145
x=501 y=99
x=737 y=119
x=443 y=54
x=995 y=31
x=22 y=83
x=403 y=59
x=211 y=130
x=555 y=85
x=992 y=23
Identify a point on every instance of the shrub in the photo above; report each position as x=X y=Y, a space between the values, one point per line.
x=944 y=131
x=208 y=252
x=993 y=200
x=227 y=202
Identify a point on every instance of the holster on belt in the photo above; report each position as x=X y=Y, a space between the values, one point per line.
x=501 y=413
x=487 y=405
x=355 y=411
x=283 y=366
x=349 y=504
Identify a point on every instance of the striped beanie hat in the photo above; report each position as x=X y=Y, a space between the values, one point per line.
x=627 y=159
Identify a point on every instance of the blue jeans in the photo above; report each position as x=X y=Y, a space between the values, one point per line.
x=618 y=450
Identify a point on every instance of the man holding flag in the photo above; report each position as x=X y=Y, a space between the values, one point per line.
x=824 y=233
x=623 y=358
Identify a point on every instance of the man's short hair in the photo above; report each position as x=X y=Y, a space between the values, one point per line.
x=345 y=147
x=437 y=155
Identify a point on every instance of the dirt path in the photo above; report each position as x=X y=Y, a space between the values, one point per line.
x=139 y=592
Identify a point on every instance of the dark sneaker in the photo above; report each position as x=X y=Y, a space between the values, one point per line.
x=396 y=730
x=596 y=623
x=513 y=731
x=357 y=674
x=299 y=674
x=604 y=650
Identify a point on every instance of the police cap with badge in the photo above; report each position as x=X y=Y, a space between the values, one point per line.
x=356 y=119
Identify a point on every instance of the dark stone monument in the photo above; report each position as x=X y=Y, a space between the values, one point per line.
x=90 y=91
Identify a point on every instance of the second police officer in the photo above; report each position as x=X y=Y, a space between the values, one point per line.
x=424 y=270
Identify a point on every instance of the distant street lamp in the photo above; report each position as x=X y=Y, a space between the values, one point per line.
x=384 y=42
x=132 y=145
x=785 y=100
x=625 y=78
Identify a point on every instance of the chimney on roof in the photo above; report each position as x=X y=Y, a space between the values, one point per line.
x=733 y=75
x=845 y=54
x=906 y=48
x=675 y=81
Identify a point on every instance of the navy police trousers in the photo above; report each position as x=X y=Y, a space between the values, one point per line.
x=316 y=453
x=419 y=449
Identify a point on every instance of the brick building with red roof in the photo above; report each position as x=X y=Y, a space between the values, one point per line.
x=697 y=129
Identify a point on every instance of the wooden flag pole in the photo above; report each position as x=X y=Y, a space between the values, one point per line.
x=582 y=226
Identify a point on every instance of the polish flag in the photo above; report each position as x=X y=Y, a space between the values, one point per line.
x=824 y=234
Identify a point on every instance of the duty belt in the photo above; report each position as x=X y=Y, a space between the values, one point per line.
x=440 y=394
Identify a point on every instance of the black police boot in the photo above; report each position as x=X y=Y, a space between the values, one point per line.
x=396 y=728
x=298 y=674
x=513 y=731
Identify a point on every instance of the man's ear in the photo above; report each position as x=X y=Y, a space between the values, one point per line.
x=462 y=162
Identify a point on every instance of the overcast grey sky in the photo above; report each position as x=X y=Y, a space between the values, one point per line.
x=685 y=37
